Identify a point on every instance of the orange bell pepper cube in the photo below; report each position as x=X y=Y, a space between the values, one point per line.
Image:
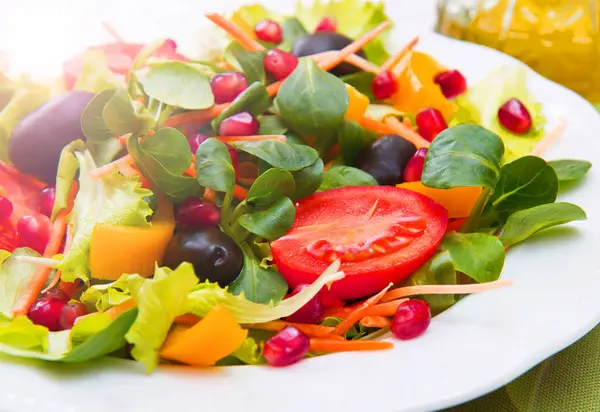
x=127 y=249
x=459 y=201
x=357 y=104
x=217 y=335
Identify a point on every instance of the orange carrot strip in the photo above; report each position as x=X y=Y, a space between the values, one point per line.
x=375 y=322
x=111 y=30
x=224 y=66
x=210 y=195
x=395 y=59
x=353 y=59
x=123 y=139
x=328 y=345
x=329 y=165
x=257 y=138
x=120 y=308
x=187 y=319
x=358 y=313
x=196 y=116
x=443 y=289
x=316 y=331
x=385 y=309
x=406 y=132
x=97 y=173
x=550 y=138
x=375 y=126
x=240 y=193
x=234 y=31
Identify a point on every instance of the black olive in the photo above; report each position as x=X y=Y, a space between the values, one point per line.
x=326 y=41
x=214 y=255
x=386 y=159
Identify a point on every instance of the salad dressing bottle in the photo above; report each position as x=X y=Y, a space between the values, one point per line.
x=558 y=38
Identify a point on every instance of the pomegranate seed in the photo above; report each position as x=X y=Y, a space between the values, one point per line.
x=384 y=85
x=227 y=86
x=312 y=312
x=515 y=117
x=287 y=347
x=269 y=31
x=34 y=232
x=196 y=140
x=56 y=294
x=279 y=63
x=47 y=312
x=47 y=201
x=70 y=313
x=234 y=159
x=414 y=168
x=431 y=122
x=195 y=213
x=6 y=209
x=241 y=124
x=328 y=24
x=412 y=319
x=452 y=83
x=170 y=44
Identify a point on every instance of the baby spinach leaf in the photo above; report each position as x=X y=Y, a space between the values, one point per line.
x=249 y=63
x=525 y=223
x=170 y=147
x=478 y=255
x=270 y=187
x=92 y=123
x=308 y=180
x=342 y=176
x=272 y=125
x=283 y=155
x=258 y=284
x=179 y=84
x=270 y=223
x=352 y=140
x=464 y=155
x=438 y=271
x=524 y=183
x=293 y=29
x=312 y=101
x=254 y=100
x=213 y=166
x=567 y=170
x=362 y=82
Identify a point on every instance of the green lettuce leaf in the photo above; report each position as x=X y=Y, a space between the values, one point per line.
x=14 y=278
x=67 y=169
x=481 y=103
x=159 y=301
x=113 y=199
x=95 y=75
x=105 y=296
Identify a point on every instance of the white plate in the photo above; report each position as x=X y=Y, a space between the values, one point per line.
x=475 y=347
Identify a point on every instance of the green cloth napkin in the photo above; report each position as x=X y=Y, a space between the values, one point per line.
x=567 y=382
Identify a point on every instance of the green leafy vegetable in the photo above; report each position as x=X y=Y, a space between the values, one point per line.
x=272 y=125
x=308 y=180
x=271 y=223
x=14 y=278
x=253 y=13
x=250 y=353
x=159 y=301
x=104 y=152
x=95 y=76
x=92 y=123
x=464 y=155
x=478 y=255
x=525 y=223
x=438 y=271
x=270 y=187
x=254 y=100
x=249 y=63
x=352 y=140
x=67 y=169
x=362 y=82
x=292 y=31
x=342 y=176
x=568 y=170
x=288 y=156
x=180 y=84
x=213 y=166
x=311 y=101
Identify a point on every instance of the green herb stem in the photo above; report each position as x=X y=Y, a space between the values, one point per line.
x=471 y=221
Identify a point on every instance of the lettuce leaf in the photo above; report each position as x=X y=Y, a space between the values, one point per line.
x=14 y=278
x=159 y=301
x=95 y=75
x=113 y=199
x=67 y=169
x=481 y=103
x=105 y=296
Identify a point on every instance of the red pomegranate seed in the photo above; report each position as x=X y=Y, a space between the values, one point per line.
x=279 y=63
x=196 y=140
x=47 y=196
x=34 y=232
x=328 y=24
x=56 y=294
x=287 y=347
x=430 y=123
x=515 y=117
x=312 y=312
x=195 y=213
x=227 y=86
x=414 y=168
x=70 y=313
x=269 y=31
x=234 y=159
x=47 y=312
x=241 y=124
x=452 y=83
x=170 y=44
x=384 y=85
x=412 y=319
x=6 y=209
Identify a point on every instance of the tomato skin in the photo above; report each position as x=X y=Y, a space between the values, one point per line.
x=339 y=213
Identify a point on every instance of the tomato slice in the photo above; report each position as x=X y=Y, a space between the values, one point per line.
x=381 y=234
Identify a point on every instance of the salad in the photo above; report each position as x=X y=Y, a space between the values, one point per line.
x=301 y=191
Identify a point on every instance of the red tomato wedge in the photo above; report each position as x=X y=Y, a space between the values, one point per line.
x=381 y=234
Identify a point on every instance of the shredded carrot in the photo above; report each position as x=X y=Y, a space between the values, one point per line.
x=187 y=319
x=257 y=138
x=358 y=313
x=248 y=173
x=240 y=193
x=120 y=308
x=396 y=58
x=329 y=165
x=316 y=331
x=353 y=59
x=111 y=30
x=375 y=126
x=235 y=32
x=406 y=132
x=69 y=287
x=224 y=66
x=123 y=139
x=375 y=322
x=550 y=138
x=382 y=309
x=443 y=289
x=196 y=116
x=328 y=345
x=210 y=195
